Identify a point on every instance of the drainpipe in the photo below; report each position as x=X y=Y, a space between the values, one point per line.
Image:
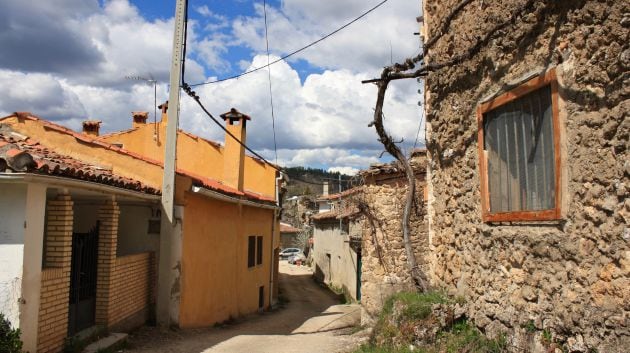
x=273 y=238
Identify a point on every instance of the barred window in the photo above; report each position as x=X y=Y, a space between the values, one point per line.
x=519 y=159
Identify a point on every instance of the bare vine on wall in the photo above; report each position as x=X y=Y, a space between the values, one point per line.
x=407 y=69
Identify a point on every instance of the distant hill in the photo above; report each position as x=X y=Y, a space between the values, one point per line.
x=309 y=181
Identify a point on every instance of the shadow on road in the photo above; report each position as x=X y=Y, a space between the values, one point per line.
x=308 y=310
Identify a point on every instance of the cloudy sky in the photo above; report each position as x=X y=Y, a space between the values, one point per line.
x=66 y=61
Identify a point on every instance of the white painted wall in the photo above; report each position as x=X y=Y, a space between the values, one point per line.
x=12 y=218
x=32 y=266
x=339 y=269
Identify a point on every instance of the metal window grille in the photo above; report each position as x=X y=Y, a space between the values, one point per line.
x=518 y=138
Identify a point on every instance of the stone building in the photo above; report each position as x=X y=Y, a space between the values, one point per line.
x=384 y=260
x=336 y=246
x=527 y=134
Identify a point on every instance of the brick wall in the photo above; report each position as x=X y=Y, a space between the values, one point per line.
x=53 y=310
x=133 y=290
x=107 y=242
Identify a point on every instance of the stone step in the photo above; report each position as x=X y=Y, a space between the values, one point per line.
x=112 y=341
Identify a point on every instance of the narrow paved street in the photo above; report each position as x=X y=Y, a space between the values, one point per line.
x=311 y=321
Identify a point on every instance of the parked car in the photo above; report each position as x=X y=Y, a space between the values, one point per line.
x=299 y=256
x=288 y=252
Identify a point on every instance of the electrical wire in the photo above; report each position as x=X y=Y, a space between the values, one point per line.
x=188 y=90
x=295 y=51
x=273 y=118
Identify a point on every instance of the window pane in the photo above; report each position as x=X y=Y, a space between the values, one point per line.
x=518 y=138
x=259 y=256
x=251 y=251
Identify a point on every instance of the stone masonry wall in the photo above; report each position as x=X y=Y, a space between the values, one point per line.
x=385 y=274
x=568 y=279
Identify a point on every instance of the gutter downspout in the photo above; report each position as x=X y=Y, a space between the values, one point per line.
x=273 y=239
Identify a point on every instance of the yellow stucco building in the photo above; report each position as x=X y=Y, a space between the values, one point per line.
x=222 y=260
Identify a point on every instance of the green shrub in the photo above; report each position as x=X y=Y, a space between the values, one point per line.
x=9 y=337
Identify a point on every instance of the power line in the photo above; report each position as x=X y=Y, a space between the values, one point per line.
x=273 y=118
x=296 y=51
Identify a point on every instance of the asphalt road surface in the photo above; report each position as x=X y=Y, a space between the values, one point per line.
x=312 y=321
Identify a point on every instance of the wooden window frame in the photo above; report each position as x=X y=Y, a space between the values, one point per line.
x=547 y=79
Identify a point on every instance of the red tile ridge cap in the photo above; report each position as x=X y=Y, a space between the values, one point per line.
x=339 y=194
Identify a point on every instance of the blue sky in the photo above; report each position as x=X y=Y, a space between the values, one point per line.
x=68 y=66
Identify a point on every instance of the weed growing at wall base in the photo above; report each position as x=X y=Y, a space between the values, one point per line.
x=415 y=322
x=9 y=337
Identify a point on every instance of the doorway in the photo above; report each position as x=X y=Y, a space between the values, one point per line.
x=82 y=306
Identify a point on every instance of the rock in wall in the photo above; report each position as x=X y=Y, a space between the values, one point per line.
x=565 y=281
x=384 y=260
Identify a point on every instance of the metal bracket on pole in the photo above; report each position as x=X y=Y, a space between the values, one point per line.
x=170 y=150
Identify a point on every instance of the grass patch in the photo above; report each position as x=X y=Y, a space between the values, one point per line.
x=406 y=314
x=462 y=337
x=417 y=306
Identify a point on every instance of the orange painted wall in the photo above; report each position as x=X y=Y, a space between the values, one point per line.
x=216 y=282
x=63 y=143
x=194 y=154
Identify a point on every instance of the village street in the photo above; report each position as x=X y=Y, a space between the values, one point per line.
x=311 y=321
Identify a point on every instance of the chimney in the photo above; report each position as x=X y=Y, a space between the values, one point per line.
x=234 y=152
x=325 y=191
x=139 y=118
x=91 y=127
x=164 y=108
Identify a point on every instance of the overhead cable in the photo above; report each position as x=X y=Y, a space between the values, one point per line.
x=273 y=118
x=295 y=51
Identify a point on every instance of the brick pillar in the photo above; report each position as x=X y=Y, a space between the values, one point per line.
x=59 y=233
x=107 y=243
x=55 y=286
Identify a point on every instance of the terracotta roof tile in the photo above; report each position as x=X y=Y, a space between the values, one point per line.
x=287 y=228
x=198 y=179
x=337 y=195
x=30 y=156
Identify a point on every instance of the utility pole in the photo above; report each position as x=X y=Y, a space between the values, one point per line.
x=170 y=232
x=170 y=151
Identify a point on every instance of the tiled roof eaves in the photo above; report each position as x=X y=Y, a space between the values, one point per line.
x=206 y=182
x=216 y=185
x=28 y=156
x=337 y=195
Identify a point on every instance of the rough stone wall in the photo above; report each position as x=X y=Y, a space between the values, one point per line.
x=384 y=260
x=570 y=279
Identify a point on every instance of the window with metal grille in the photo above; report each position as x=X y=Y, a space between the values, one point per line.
x=520 y=163
x=251 y=251
x=259 y=253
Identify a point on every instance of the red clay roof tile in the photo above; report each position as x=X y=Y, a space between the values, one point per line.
x=198 y=179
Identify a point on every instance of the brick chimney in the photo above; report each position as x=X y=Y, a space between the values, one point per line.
x=139 y=119
x=234 y=153
x=91 y=127
x=164 y=108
